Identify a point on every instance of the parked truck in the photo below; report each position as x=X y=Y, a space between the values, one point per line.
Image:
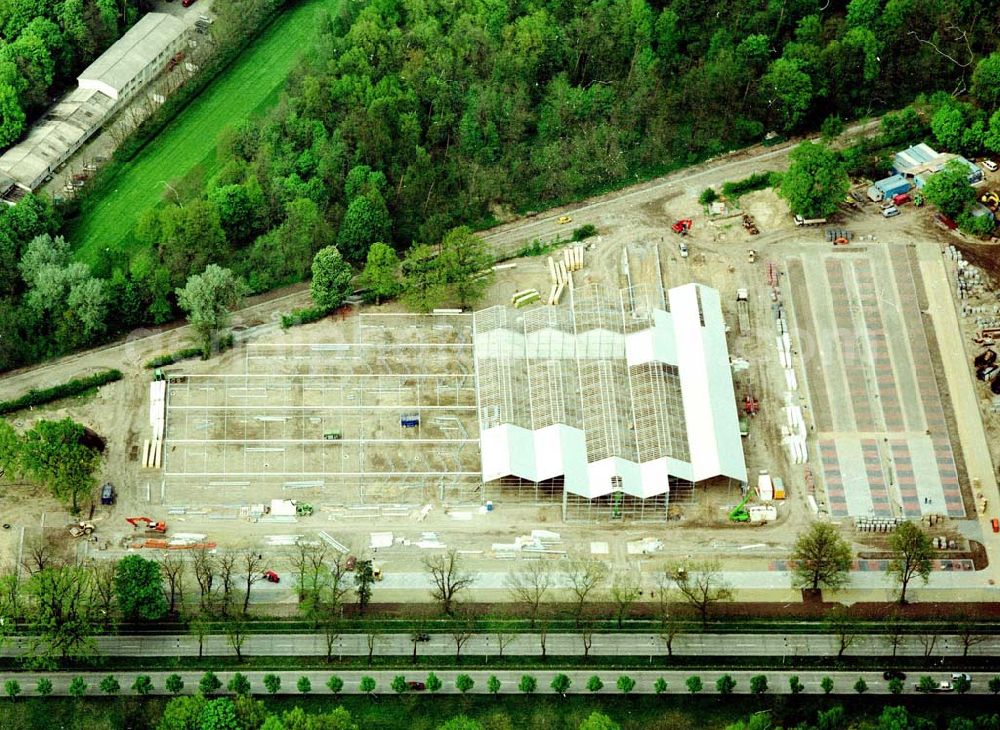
x=800 y=221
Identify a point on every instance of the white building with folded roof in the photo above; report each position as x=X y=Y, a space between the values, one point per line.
x=622 y=401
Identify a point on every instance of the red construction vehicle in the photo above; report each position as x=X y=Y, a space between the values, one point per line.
x=146 y=524
x=682 y=227
x=750 y=405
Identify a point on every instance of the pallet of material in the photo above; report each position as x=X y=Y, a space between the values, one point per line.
x=524 y=298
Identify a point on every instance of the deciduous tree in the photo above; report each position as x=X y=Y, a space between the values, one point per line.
x=143 y=685
x=381 y=273
x=821 y=557
x=174 y=684
x=110 y=685
x=701 y=585
x=912 y=553
x=583 y=577
x=52 y=454
x=62 y=615
x=12 y=688
x=625 y=684
x=366 y=222
x=364 y=578
x=448 y=577
x=423 y=288
x=464 y=264
x=139 y=589
x=208 y=298
x=816 y=181
x=331 y=279
x=209 y=684
x=950 y=190
x=529 y=583
x=986 y=81
x=239 y=684
x=625 y=590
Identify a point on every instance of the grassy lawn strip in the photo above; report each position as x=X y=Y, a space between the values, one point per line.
x=543 y=710
x=251 y=83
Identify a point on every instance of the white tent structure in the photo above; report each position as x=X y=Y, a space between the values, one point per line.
x=622 y=396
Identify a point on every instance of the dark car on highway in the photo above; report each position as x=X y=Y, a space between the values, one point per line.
x=416 y=686
x=893 y=674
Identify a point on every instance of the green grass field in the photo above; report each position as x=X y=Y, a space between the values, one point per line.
x=188 y=143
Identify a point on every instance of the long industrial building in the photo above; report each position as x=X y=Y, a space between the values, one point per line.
x=117 y=75
x=618 y=404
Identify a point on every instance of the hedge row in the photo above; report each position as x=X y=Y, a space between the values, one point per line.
x=47 y=395
x=303 y=316
x=171 y=357
x=757 y=181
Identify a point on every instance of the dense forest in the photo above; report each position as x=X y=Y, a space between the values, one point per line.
x=44 y=44
x=413 y=117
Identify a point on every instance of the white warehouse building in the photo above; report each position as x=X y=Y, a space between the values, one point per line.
x=618 y=404
x=121 y=71
x=135 y=58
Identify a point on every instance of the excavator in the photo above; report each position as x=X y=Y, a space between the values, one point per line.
x=682 y=227
x=146 y=524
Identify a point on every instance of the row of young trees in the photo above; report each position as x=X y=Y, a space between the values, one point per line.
x=66 y=602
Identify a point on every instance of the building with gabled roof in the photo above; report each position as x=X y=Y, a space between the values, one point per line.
x=136 y=57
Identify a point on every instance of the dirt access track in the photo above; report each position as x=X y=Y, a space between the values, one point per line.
x=636 y=219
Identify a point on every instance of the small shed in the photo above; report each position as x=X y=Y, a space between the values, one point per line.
x=886 y=188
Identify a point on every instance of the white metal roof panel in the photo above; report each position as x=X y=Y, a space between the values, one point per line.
x=132 y=53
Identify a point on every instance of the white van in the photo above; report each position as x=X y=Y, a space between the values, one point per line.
x=989 y=165
x=889 y=212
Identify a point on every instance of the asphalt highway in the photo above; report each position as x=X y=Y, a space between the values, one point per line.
x=778 y=682
x=556 y=644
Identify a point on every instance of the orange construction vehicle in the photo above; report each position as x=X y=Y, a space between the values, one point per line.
x=682 y=226
x=146 y=524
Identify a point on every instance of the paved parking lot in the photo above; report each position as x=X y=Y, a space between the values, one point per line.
x=882 y=435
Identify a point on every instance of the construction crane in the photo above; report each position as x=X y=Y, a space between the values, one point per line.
x=146 y=524
x=739 y=513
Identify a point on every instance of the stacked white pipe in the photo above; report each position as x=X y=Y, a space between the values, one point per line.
x=561 y=272
x=794 y=435
x=783 y=342
x=152 y=451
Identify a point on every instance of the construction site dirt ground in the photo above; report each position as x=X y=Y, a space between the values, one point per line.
x=717 y=257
